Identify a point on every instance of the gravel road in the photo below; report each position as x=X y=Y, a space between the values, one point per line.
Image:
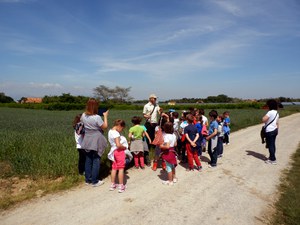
x=241 y=190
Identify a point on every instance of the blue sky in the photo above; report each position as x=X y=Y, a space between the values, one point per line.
x=173 y=48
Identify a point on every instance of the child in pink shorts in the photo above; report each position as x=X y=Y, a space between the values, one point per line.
x=117 y=155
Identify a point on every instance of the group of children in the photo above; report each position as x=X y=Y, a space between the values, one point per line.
x=182 y=137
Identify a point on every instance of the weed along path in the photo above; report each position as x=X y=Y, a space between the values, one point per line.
x=241 y=190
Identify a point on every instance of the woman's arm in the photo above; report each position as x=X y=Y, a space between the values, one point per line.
x=265 y=119
x=105 y=123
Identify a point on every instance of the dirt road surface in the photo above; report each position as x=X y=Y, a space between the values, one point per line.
x=241 y=190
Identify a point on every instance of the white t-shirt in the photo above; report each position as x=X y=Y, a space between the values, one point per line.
x=271 y=114
x=183 y=125
x=204 y=120
x=78 y=139
x=176 y=124
x=112 y=135
x=170 y=138
x=112 y=142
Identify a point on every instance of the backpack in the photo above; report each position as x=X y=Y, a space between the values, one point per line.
x=79 y=128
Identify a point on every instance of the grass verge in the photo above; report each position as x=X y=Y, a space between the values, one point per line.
x=288 y=205
x=15 y=190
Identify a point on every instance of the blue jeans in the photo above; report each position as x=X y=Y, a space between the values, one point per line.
x=220 y=146
x=213 y=153
x=92 y=167
x=270 y=143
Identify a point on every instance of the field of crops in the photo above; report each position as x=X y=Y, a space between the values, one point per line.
x=40 y=143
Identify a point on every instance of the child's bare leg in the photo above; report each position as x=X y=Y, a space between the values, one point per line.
x=113 y=175
x=170 y=176
x=173 y=174
x=121 y=176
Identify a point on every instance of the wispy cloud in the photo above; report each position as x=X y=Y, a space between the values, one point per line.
x=46 y=85
x=165 y=64
x=25 y=46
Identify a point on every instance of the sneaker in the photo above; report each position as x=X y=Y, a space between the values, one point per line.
x=268 y=161
x=122 y=188
x=88 y=183
x=99 y=183
x=189 y=169
x=199 y=168
x=136 y=167
x=212 y=166
x=142 y=167
x=220 y=156
x=166 y=182
x=175 y=180
x=112 y=187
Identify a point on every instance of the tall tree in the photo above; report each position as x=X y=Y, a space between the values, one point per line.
x=5 y=99
x=117 y=94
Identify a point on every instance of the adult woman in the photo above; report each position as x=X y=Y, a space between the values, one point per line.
x=271 y=120
x=93 y=142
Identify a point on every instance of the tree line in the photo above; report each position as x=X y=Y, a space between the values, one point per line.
x=120 y=95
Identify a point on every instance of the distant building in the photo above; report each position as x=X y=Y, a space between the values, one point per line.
x=171 y=103
x=32 y=100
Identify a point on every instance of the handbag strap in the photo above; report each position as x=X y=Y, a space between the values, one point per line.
x=153 y=109
x=152 y=112
x=272 y=120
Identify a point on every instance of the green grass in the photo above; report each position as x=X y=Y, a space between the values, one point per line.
x=288 y=205
x=40 y=145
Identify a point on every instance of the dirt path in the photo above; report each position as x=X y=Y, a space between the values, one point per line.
x=240 y=190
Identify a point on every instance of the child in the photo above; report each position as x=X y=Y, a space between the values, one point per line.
x=79 y=133
x=226 y=127
x=192 y=135
x=182 y=142
x=212 y=138
x=135 y=135
x=158 y=140
x=118 y=152
x=128 y=155
x=199 y=127
x=220 y=136
x=204 y=131
x=145 y=146
x=175 y=116
x=169 y=153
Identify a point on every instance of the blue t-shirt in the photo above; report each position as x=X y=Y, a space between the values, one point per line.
x=199 y=127
x=212 y=126
x=226 y=128
x=191 y=131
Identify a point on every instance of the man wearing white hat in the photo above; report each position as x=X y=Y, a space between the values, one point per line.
x=151 y=112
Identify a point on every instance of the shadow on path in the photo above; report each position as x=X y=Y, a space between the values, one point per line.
x=256 y=155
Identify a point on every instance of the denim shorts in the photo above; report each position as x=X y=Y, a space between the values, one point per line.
x=169 y=167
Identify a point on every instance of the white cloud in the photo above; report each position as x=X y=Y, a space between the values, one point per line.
x=26 y=46
x=46 y=85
